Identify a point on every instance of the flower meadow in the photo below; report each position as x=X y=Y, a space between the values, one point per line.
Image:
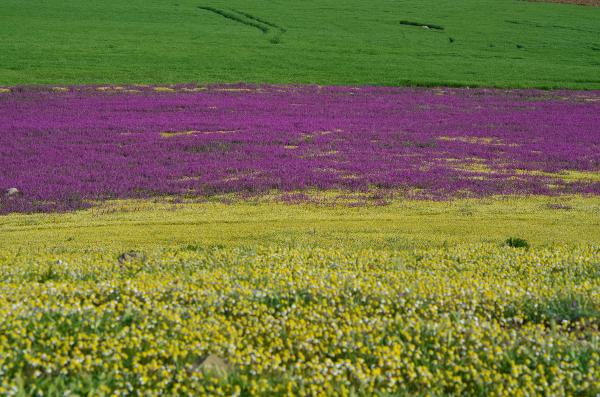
x=237 y=242
x=278 y=198
x=65 y=147
x=477 y=320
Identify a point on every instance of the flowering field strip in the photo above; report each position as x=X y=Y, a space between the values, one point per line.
x=64 y=147
x=400 y=224
x=469 y=320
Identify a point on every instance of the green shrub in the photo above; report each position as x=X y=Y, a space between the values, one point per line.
x=517 y=242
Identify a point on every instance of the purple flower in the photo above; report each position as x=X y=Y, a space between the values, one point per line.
x=62 y=149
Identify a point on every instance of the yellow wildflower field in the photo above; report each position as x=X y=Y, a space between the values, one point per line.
x=316 y=299
x=472 y=319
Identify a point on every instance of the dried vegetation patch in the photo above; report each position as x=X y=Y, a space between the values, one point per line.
x=593 y=3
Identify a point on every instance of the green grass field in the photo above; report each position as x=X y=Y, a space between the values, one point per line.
x=483 y=42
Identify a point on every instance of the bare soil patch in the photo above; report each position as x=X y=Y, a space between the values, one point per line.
x=593 y=3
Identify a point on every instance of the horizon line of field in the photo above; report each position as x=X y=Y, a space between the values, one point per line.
x=249 y=86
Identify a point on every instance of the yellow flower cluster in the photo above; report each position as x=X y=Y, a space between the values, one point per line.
x=468 y=320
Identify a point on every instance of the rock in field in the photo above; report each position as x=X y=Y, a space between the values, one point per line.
x=130 y=256
x=12 y=192
x=214 y=363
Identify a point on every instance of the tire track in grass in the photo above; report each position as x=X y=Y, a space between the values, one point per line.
x=421 y=25
x=236 y=18
x=426 y=26
x=276 y=39
x=248 y=20
x=260 y=20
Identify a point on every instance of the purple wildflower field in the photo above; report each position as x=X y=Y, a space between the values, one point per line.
x=63 y=148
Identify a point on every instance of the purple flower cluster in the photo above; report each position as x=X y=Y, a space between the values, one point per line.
x=63 y=147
